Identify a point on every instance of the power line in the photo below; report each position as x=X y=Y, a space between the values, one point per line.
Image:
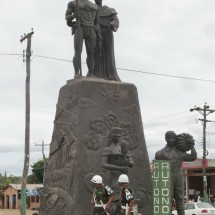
x=33 y=108
x=139 y=71
x=39 y=110
x=124 y=69
x=166 y=75
x=166 y=116
x=53 y=58
x=10 y=54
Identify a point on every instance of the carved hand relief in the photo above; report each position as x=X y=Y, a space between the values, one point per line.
x=99 y=130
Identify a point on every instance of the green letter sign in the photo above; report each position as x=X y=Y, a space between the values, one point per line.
x=162 y=187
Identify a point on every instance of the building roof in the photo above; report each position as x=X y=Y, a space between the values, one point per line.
x=31 y=189
x=28 y=186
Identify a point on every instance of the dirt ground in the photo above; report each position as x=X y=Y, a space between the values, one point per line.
x=15 y=212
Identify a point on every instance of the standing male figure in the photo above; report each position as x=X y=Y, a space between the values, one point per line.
x=86 y=14
x=175 y=156
x=102 y=196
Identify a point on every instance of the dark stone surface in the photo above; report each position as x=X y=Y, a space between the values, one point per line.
x=87 y=110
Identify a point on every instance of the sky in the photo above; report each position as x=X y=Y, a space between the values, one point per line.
x=165 y=47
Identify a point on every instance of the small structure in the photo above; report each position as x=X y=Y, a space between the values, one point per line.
x=193 y=177
x=12 y=196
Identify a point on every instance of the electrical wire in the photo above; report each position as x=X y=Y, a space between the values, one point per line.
x=139 y=71
x=166 y=116
x=10 y=54
x=124 y=69
x=33 y=108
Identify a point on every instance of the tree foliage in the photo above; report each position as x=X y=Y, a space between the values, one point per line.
x=37 y=172
x=6 y=180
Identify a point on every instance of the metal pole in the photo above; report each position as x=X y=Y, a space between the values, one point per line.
x=204 y=157
x=44 y=162
x=44 y=158
x=187 y=185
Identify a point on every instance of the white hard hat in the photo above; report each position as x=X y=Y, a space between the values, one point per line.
x=97 y=179
x=123 y=179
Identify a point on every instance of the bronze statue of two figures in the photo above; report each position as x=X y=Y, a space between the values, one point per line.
x=94 y=25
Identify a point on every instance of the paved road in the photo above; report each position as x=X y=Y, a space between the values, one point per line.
x=14 y=212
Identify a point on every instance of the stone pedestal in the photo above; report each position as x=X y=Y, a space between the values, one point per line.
x=87 y=109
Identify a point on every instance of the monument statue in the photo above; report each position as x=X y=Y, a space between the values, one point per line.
x=105 y=66
x=97 y=127
x=175 y=152
x=115 y=157
x=85 y=28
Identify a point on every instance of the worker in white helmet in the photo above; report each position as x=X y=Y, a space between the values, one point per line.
x=126 y=195
x=102 y=196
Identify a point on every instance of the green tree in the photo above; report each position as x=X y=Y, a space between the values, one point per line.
x=37 y=172
x=4 y=180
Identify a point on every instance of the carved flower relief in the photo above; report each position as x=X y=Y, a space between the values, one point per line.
x=94 y=141
x=100 y=128
x=126 y=128
x=111 y=120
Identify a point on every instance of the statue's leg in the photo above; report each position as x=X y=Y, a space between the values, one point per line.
x=90 y=43
x=78 y=46
x=179 y=193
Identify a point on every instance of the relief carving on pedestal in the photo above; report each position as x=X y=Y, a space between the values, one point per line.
x=110 y=95
x=97 y=137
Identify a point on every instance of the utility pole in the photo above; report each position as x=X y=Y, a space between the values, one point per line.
x=27 y=123
x=44 y=158
x=204 y=112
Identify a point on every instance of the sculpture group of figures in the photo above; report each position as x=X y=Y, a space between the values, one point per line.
x=94 y=24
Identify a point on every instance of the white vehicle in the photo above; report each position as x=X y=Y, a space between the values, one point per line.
x=197 y=208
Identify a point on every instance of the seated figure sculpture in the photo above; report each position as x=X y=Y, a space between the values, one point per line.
x=115 y=157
